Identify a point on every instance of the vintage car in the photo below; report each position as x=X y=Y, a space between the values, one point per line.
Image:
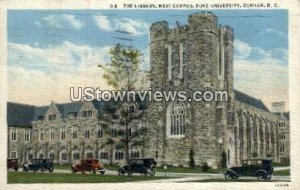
x=39 y=165
x=260 y=168
x=90 y=165
x=12 y=164
x=144 y=166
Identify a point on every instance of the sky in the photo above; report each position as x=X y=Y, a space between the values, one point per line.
x=51 y=50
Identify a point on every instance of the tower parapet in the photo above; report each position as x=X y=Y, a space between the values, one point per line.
x=203 y=21
x=159 y=30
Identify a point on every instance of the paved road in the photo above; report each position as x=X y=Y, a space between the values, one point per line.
x=182 y=177
x=185 y=177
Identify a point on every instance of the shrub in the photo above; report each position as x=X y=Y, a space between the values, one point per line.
x=205 y=167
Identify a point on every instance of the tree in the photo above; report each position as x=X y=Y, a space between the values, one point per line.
x=192 y=160
x=123 y=72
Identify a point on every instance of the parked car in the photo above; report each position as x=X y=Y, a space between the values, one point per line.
x=90 y=165
x=260 y=168
x=12 y=164
x=144 y=166
x=39 y=164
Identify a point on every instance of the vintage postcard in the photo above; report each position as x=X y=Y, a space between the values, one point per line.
x=149 y=95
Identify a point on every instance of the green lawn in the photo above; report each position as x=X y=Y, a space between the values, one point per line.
x=62 y=166
x=282 y=172
x=21 y=177
x=68 y=167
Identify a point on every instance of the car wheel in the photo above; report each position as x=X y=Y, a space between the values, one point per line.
x=102 y=172
x=261 y=176
x=121 y=172
x=151 y=172
x=228 y=175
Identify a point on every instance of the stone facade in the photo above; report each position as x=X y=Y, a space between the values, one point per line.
x=199 y=56
x=190 y=57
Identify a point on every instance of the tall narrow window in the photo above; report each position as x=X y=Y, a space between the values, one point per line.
x=13 y=134
x=169 y=57
x=99 y=133
x=42 y=135
x=52 y=134
x=113 y=132
x=74 y=133
x=26 y=135
x=174 y=62
x=183 y=58
x=62 y=134
x=87 y=134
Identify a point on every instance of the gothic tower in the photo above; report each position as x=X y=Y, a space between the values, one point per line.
x=192 y=57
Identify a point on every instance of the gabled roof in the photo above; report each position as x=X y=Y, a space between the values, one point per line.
x=287 y=115
x=19 y=115
x=284 y=114
x=39 y=111
x=66 y=108
x=247 y=99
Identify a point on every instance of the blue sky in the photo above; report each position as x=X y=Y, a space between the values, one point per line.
x=47 y=46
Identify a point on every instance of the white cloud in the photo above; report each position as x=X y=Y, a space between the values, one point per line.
x=242 y=49
x=102 y=22
x=42 y=75
x=265 y=78
x=267 y=31
x=131 y=26
x=60 y=57
x=61 y=21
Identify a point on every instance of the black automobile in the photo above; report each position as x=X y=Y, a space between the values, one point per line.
x=12 y=164
x=144 y=166
x=260 y=168
x=39 y=165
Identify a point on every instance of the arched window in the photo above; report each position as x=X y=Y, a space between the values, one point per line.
x=76 y=155
x=281 y=149
x=30 y=155
x=176 y=115
x=63 y=155
x=40 y=154
x=51 y=154
x=119 y=155
x=103 y=155
x=135 y=154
